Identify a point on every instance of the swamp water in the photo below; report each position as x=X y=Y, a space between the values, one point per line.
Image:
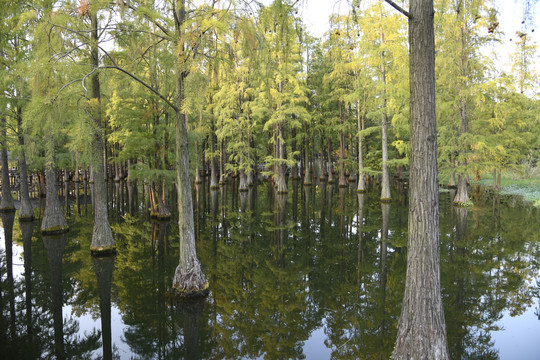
x=315 y=274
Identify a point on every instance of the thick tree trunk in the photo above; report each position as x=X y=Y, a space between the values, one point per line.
x=243 y=185
x=421 y=330
x=462 y=195
x=53 y=221
x=102 y=238
x=7 y=200
x=189 y=279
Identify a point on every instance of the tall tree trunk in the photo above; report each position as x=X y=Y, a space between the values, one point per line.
x=189 y=279
x=102 y=238
x=25 y=209
x=385 y=191
x=421 y=330
x=307 y=164
x=281 y=182
x=361 y=177
x=214 y=183
x=53 y=218
x=329 y=165
x=342 y=182
x=7 y=200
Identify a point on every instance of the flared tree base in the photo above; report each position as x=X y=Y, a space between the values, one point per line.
x=103 y=251
x=160 y=217
x=7 y=209
x=463 y=204
x=189 y=281
x=361 y=191
x=56 y=230
x=26 y=218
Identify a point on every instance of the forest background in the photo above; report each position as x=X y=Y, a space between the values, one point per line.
x=262 y=94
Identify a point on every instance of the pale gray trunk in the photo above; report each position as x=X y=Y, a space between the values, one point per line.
x=421 y=330
x=214 y=184
x=189 y=279
x=242 y=186
x=102 y=238
x=281 y=182
x=462 y=195
x=53 y=218
x=7 y=200
x=329 y=169
x=361 y=177
x=26 y=212
x=385 y=192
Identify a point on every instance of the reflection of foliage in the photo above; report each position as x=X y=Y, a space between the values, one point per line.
x=281 y=268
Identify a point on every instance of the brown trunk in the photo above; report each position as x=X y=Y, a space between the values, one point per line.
x=25 y=209
x=421 y=330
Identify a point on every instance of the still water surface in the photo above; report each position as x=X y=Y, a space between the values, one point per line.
x=316 y=274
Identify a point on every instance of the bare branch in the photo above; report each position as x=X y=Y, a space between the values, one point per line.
x=162 y=97
x=399 y=8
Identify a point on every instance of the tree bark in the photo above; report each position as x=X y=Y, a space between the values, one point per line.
x=361 y=177
x=7 y=200
x=53 y=218
x=102 y=238
x=421 y=330
x=385 y=191
x=342 y=182
x=462 y=195
x=189 y=279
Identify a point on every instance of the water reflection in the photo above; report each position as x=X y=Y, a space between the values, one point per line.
x=103 y=268
x=320 y=270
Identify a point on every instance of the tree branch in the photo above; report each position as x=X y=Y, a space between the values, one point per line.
x=143 y=84
x=399 y=8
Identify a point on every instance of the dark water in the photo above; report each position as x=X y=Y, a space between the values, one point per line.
x=316 y=274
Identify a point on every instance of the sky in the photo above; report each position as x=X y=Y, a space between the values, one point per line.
x=315 y=14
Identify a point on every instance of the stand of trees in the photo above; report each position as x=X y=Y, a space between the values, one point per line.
x=164 y=93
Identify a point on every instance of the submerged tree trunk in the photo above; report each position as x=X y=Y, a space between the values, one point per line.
x=7 y=200
x=462 y=195
x=53 y=221
x=102 y=238
x=421 y=330
x=243 y=185
x=189 y=279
